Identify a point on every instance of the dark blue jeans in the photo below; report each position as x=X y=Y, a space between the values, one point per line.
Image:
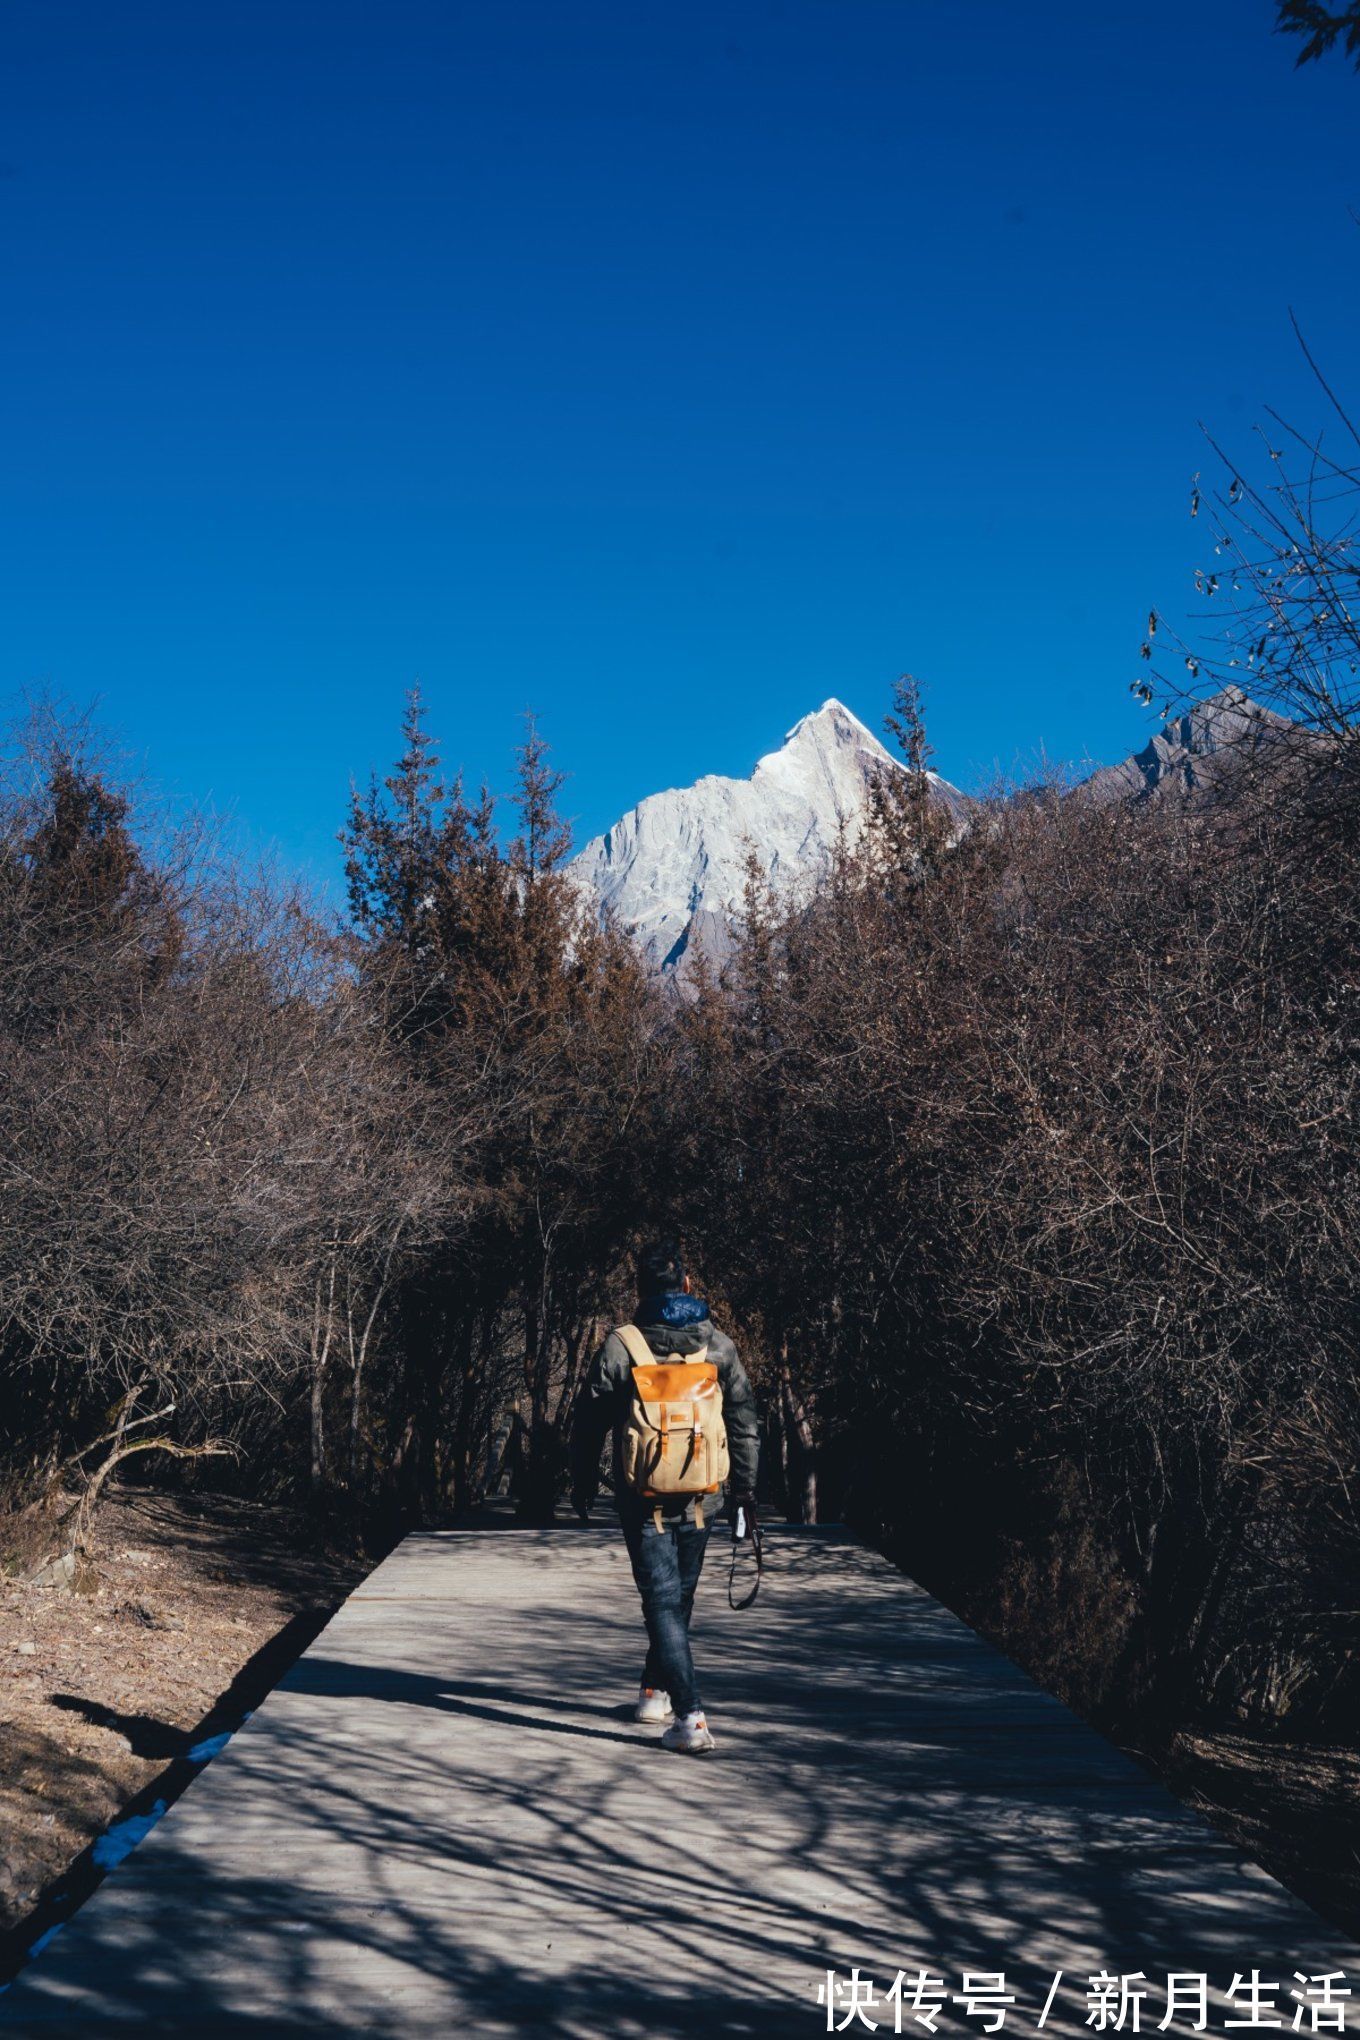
x=666 y=1565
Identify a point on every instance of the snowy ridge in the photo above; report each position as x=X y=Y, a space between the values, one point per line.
x=672 y=872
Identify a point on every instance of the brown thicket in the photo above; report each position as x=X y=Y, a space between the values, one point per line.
x=505 y=1003
x=1035 y=1179
x=339 y=1212
x=183 y=1070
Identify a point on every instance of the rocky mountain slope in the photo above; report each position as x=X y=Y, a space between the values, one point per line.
x=1195 y=752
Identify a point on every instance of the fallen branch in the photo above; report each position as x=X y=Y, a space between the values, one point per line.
x=120 y=1430
x=81 y=1513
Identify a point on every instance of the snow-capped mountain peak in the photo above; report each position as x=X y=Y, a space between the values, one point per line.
x=672 y=871
x=823 y=731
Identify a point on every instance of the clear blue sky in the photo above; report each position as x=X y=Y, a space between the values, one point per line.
x=668 y=366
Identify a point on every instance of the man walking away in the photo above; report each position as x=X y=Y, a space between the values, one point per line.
x=654 y=1384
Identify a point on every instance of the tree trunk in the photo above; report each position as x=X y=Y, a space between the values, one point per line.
x=323 y=1331
x=795 y=1418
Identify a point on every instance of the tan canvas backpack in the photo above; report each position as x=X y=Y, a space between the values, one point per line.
x=674 y=1439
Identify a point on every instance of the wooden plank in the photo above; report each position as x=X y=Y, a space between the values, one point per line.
x=444 y=1821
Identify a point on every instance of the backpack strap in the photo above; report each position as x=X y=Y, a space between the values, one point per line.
x=639 y=1352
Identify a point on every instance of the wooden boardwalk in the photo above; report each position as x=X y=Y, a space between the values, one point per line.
x=444 y=1822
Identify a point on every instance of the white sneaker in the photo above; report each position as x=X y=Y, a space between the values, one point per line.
x=653 y=1705
x=689 y=1735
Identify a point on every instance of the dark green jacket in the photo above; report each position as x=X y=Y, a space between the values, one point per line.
x=609 y=1388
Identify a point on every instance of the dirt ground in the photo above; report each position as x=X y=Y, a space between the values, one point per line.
x=191 y=1601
